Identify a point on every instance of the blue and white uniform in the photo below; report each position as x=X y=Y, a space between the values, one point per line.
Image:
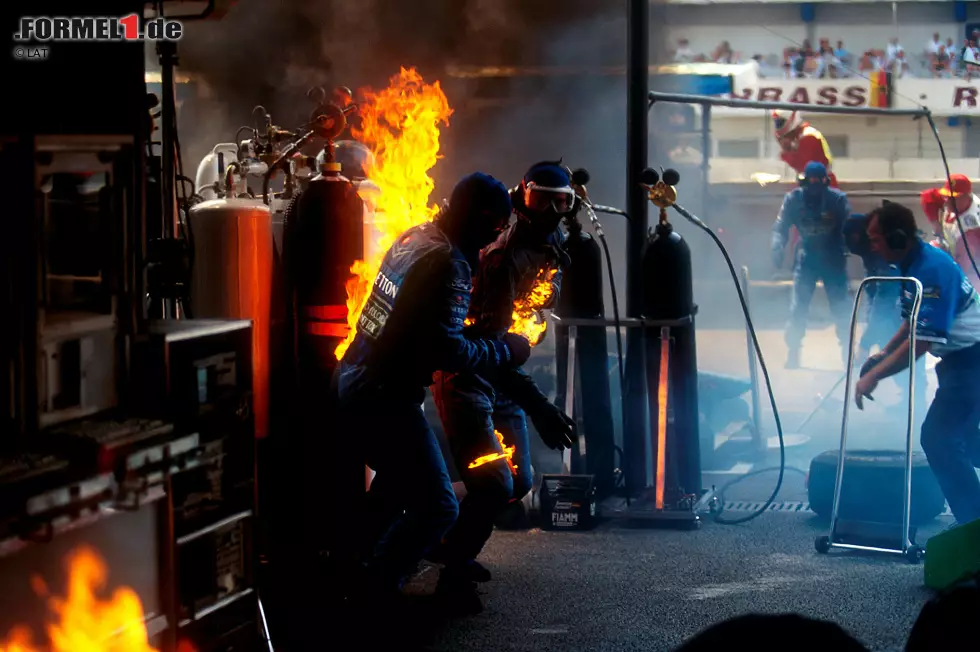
x=949 y=318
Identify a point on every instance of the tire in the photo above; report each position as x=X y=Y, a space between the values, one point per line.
x=873 y=486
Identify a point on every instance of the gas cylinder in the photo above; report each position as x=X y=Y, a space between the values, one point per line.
x=232 y=279
x=668 y=296
x=322 y=237
x=582 y=297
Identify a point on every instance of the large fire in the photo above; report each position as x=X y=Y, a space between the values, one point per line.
x=400 y=125
x=82 y=622
x=507 y=454
x=528 y=320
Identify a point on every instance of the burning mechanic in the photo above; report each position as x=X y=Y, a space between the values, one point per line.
x=948 y=327
x=818 y=212
x=884 y=309
x=474 y=405
x=411 y=327
x=941 y=206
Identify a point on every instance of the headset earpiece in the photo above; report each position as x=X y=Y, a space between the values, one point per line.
x=897 y=240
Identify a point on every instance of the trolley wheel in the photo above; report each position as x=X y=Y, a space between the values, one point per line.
x=822 y=544
x=915 y=554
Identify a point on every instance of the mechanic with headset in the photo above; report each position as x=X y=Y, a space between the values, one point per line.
x=473 y=405
x=818 y=212
x=949 y=328
x=884 y=314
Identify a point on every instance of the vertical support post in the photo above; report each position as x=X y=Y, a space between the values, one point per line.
x=570 y=385
x=758 y=444
x=705 y=156
x=637 y=135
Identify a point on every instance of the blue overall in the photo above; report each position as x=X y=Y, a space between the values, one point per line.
x=819 y=218
x=949 y=318
x=473 y=405
x=410 y=327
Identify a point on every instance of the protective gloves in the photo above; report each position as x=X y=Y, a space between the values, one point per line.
x=556 y=428
x=520 y=348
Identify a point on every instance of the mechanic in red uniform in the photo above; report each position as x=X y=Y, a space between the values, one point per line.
x=941 y=206
x=800 y=143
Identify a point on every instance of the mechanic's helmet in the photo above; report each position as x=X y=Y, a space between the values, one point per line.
x=786 y=122
x=814 y=175
x=479 y=209
x=355 y=159
x=546 y=190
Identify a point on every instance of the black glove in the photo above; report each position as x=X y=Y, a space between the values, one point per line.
x=556 y=428
x=520 y=348
x=871 y=363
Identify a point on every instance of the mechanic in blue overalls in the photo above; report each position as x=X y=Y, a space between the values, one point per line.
x=473 y=405
x=884 y=314
x=949 y=328
x=410 y=327
x=818 y=212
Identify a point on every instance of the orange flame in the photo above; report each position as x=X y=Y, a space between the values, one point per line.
x=401 y=126
x=527 y=318
x=82 y=621
x=507 y=454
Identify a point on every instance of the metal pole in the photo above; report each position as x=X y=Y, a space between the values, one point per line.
x=757 y=442
x=705 y=157
x=708 y=100
x=637 y=135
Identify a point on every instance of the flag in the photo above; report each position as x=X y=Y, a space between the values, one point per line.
x=879 y=90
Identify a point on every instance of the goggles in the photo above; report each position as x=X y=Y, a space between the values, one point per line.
x=779 y=123
x=539 y=198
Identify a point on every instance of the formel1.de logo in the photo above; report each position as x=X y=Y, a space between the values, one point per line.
x=48 y=29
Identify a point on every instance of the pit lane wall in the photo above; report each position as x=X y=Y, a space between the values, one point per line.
x=866 y=149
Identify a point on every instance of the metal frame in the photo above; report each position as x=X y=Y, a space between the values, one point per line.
x=908 y=547
x=703 y=504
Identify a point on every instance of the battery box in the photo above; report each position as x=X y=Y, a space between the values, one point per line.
x=568 y=502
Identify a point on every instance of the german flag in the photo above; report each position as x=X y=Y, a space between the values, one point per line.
x=880 y=91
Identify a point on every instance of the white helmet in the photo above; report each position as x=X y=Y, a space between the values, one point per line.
x=786 y=121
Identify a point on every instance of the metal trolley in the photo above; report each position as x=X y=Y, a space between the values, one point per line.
x=910 y=550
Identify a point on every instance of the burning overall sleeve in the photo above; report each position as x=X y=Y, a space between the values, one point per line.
x=780 y=229
x=450 y=281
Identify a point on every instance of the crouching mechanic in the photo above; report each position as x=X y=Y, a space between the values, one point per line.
x=884 y=310
x=949 y=328
x=473 y=405
x=410 y=327
x=818 y=212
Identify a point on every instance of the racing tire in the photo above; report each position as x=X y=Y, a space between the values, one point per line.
x=874 y=481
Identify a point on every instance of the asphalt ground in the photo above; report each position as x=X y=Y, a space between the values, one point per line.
x=621 y=588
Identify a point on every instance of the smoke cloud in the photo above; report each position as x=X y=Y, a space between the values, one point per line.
x=271 y=53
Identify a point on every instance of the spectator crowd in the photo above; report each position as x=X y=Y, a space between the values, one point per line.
x=938 y=59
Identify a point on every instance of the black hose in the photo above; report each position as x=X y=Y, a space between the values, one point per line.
x=765 y=374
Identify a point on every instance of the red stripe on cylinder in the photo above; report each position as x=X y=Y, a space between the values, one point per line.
x=326 y=329
x=326 y=313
